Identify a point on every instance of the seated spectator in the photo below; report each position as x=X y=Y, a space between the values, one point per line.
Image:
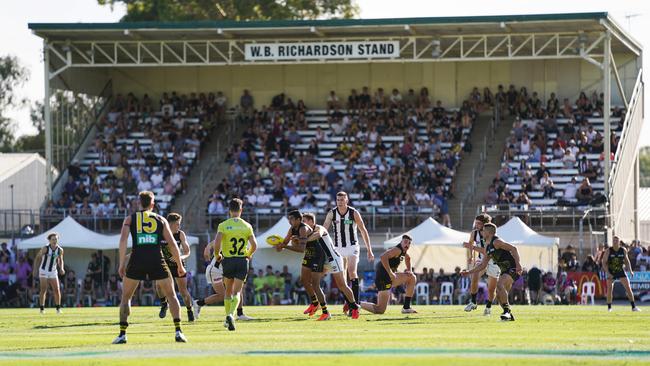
x=643 y=260
x=332 y=102
x=568 y=290
x=585 y=192
x=589 y=264
x=70 y=289
x=549 y=286
x=547 y=186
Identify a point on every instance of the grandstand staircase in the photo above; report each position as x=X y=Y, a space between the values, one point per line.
x=205 y=176
x=481 y=171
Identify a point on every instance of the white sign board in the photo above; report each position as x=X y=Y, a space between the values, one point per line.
x=321 y=50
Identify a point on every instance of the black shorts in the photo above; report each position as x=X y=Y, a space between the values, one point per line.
x=382 y=280
x=235 y=267
x=143 y=268
x=617 y=275
x=314 y=258
x=512 y=272
x=173 y=269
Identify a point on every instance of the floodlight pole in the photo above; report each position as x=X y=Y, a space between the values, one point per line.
x=48 y=121
x=607 y=96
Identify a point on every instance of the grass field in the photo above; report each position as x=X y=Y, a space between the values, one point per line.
x=556 y=335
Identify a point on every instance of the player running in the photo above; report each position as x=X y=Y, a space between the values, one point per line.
x=51 y=266
x=312 y=263
x=214 y=276
x=506 y=257
x=146 y=262
x=345 y=221
x=477 y=244
x=386 y=278
x=333 y=262
x=614 y=260
x=180 y=240
x=231 y=250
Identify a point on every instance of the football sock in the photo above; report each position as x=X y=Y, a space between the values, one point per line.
x=609 y=306
x=42 y=307
x=355 y=288
x=353 y=305
x=488 y=304
x=234 y=303
x=323 y=307
x=314 y=300
x=123 y=326
x=407 y=302
x=59 y=306
x=240 y=311
x=177 y=324
x=226 y=305
x=506 y=308
x=200 y=302
x=473 y=298
x=163 y=301
x=633 y=305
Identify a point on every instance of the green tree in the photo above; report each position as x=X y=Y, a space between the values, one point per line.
x=12 y=76
x=644 y=166
x=34 y=143
x=185 y=10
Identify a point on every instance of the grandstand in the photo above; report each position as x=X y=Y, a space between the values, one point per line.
x=552 y=54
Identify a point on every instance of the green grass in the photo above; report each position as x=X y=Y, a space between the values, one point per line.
x=577 y=335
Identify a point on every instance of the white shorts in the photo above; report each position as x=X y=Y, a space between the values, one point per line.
x=213 y=274
x=335 y=265
x=492 y=270
x=48 y=275
x=351 y=253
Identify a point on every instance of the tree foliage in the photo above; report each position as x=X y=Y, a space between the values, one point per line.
x=186 y=10
x=12 y=76
x=644 y=166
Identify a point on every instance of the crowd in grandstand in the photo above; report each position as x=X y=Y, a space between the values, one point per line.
x=392 y=149
x=139 y=145
x=555 y=151
x=100 y=284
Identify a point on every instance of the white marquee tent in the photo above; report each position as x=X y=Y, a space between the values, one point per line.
x=434 y=246
x=267 y=255
x=534 y=249
x=79 y=243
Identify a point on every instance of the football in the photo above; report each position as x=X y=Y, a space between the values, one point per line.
x=274 y=239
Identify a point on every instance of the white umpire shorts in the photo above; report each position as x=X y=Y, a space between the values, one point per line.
x=213 y=274
x=351 y=253
x=492 y=270
x=48 y=275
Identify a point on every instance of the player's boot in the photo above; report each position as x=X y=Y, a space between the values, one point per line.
x=311 y=310
x=244 y=317
x=120 y=339
x=507 y=317
x=59 y=311
x=230 y=322
x=487 y=311
x=180 y=337
x=163 y=311
x=471 y=306
x=197 y=308
x=635 y=309
x=409 y=311
x=324 y=316
x=190 y=315
x=354 y=313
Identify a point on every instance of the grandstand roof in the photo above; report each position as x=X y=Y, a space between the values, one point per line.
x=332 y=28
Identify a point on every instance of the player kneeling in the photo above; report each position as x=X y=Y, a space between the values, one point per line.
x=386 y=278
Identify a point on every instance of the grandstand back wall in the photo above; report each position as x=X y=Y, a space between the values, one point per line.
x=448 y=81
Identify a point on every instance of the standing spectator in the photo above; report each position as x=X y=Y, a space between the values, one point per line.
x=441 y=202
x=246 y=103
x=534 y=284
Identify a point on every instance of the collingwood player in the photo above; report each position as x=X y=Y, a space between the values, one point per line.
x=477 y=244
x=344 y=221
x=146 y=261
x=333 y=262
x=51 y=266
x=614 y=261
x=180 y=239
x=506 y=257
